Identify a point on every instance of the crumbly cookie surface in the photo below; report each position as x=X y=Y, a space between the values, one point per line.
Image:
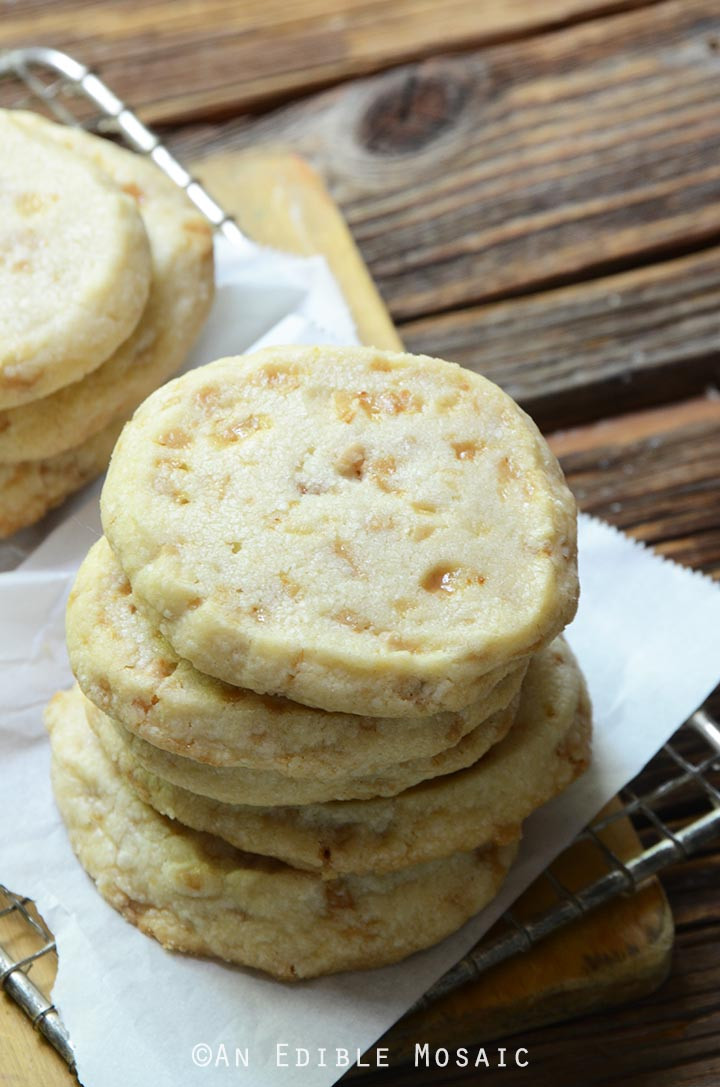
x=194 y=892
x=180 y=293
x=344 y=526
x=547 y=747
x=75 y=268
x=30 y=489
x=242 y=785
x=131 y=672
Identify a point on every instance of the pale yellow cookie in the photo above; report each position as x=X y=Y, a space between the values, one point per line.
x=241 y=785
x=181 y=291
x=194 y=892
x=30 y=489
x=128 y=669
x=74 y=265
x=547 y=748
x=357 y=530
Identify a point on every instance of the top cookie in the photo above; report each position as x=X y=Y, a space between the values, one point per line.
x=362 y=531
x=74 y=265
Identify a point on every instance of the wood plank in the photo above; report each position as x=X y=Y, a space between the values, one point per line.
x=593 y=349
x=25 y=1057
x=634 y=425
x=655 y=475
x=522 y=167
x=176 y=59
x=567 y=355
x=285 y=203
x=666 y=1039
x=619 y=953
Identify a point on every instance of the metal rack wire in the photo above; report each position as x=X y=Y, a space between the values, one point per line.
x=684 y=776
x=15 y=968
x=694 y=785
x=687 y=772
x=50 y=82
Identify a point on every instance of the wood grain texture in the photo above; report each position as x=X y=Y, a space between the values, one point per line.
x=666 y=1039
x=25 y=1057
x=566 y=158
x=568 y=355
x=619 y=953
x=280 y=199
x=593 y=349
x=656 y=476
x=669 y=1039
x=176 y=59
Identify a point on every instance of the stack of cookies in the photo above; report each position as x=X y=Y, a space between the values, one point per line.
x=105 y=280
x=320 y=677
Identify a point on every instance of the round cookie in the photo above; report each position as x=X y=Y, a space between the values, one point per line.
x=32 y=488
x=128 y=669
x=74 y=265
x=240 y=785
x=194 y=892
x=547 y=748
x=180 y=295
x=344 y=526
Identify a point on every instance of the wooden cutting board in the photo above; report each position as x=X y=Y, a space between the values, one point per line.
x=620 y=952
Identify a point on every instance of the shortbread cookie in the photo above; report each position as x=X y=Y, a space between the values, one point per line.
x=357 y=530
x=74 y=265
x=128 y=669
x=240 y=785
x=30 y=489
x=179 y=301
x=547 y=748
x=194 y=892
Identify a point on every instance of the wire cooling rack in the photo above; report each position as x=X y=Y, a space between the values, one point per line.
x=50 y=82
x=674 y=814
x=675 y=810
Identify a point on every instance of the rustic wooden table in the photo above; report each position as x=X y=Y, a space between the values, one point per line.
x=536 y=190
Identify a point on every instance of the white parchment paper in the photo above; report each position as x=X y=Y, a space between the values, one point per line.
x=647 y=635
